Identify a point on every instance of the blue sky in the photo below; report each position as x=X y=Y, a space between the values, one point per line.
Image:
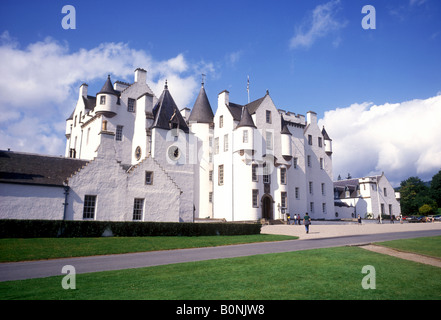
x=310 y=55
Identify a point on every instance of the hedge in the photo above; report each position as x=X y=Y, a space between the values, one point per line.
x=73 y=229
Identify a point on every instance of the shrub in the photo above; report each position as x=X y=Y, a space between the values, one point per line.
x=72 y=229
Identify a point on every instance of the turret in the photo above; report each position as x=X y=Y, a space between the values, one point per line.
x=244 y=132
x=106 y=100
x=328 y=142
x=285 y=137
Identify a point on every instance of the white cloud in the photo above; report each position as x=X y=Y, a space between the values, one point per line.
x=39 y=85
x=321 y=23
x=401 y=139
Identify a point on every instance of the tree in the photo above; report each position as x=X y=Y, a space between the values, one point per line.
x=435 y=188
x=413 y=195
x=426 y=209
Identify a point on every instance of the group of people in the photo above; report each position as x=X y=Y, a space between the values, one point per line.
x=297 y=220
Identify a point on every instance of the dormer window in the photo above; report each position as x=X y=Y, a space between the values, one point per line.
x=103 y=100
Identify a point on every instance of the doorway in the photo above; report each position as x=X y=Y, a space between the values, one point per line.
x=267 y=207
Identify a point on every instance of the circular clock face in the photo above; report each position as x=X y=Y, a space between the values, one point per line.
x=138 y=153
x=174 y=153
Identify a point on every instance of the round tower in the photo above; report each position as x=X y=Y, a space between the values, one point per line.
x=285 y=137
x=106 y=100
x=244 y=133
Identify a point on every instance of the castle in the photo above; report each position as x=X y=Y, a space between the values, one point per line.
x=131 y=156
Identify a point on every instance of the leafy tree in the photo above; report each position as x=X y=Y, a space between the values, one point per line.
x=426 y=209
x=413 y=191
x=435 y=188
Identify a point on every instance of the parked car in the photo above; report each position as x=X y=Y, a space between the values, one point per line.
x=413 y=219
x=437 y=217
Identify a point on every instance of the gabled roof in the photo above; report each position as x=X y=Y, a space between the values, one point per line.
x=201 y=112
x=166 y=113
x=27 y=168
x=108 y=88
x=245 y=119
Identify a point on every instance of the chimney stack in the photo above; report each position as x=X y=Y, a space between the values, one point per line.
x=140 y=75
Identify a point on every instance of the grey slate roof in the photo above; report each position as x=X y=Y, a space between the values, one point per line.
x=201 y=112
x=285 y=129
x=246 y=120
x=166 y=113
x=325 y=134
x=108 y=88
x=27 y=168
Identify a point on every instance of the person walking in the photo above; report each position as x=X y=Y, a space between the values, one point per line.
x=298 y=219
x=295 y=219
x=359 y=220
x=306 y=222
x=287 y=218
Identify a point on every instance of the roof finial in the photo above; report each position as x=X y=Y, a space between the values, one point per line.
x=248 y=88
x=203 y=80
x=166 y=85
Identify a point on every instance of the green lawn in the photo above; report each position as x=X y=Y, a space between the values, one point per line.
x=334 y=273
x=430 y=246
x=49 y=248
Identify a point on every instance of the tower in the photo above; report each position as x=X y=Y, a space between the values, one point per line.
x=201 y=126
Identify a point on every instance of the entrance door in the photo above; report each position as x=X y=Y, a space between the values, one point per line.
x=267 y=207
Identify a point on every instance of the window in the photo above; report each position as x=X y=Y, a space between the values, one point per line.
x=297 y=193
x=311 y=207
x=283 y=198
x=138 y=208
x=210 y=197
x=131 y=104
x=254 y=168
x=296 y=160
x=149 y=177
x=266 y=176
x=324 y=207
x=221 y=174
x=385 y=192
x=321 y=163
x=269 y=140
x=255 y=198
x=216 y=145
x=268 y=116
x=89 y=207
x=119 y=135
x=225 y=142
x=309 y=161
x=221 y=121
x=309 y=139
x=320 y=142
x=323 y=189
x=390 y=210
x=103 y=100
x=210 y=175
x=245 y=136
x=283 y=175
x=310 y=187
x=382 y=208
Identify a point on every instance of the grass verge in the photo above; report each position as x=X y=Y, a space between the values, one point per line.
x=51 y=248
x=430 y=246
x=332 y=273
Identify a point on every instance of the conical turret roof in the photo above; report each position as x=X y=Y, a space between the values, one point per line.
x=245 y=119
x=201 y=112
x=108 y=87
x=167 y=114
